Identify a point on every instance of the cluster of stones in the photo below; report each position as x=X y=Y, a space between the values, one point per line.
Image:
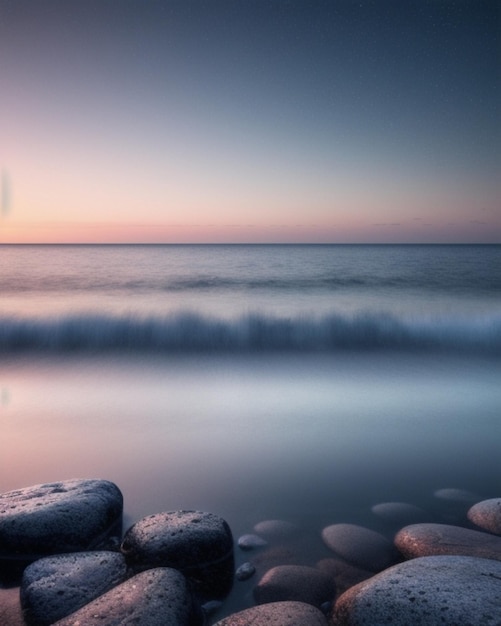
x=64 y=562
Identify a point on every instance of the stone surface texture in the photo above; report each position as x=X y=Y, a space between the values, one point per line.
x=66 y=516
x=360 y=546
x=198 y=544
x=295 y=582
x=487 y=515
x=426 y=591
x=56 y=586
x=439 y=539
x=157 y=597
x=277 y=614
x=11 y=613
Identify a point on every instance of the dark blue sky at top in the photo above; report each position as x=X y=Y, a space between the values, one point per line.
x=414 y=83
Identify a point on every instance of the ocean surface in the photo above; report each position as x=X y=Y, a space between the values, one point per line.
x=298 y=382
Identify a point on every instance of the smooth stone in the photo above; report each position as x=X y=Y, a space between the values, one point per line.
x=427 y=591
x=460 y=496
x=245 y=571
x=360 y=546
x=435 y=539
x=400 y=513
x=277 y=614
x=344 y=574
x=56 y=586
x=487 y=515
x=276 y=529
x=11 y=613
x=67 y=516
x=295 y=582
x=250 y=542
x=154 y=598
x=198 y=544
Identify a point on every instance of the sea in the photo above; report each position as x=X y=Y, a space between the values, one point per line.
x=305 y=383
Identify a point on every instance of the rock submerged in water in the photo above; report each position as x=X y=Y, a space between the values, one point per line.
x=277 y=614
x=295 y=583
x=400 y=513
x=426 y=591
x=67 y=516
x=487 y=515
x=251 y=542
x=155 y=597
x=439 y=539
x=55 y=586
x=360 y=546
x=198 y=544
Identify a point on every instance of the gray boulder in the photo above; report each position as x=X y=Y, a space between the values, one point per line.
x=153 y=598
x=198 y=544
x=426 y=591
x=487 y=515
x=56 y=586
x=436 y=539
x=277 y=614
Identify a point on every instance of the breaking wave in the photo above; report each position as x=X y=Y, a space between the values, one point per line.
x=191 y=332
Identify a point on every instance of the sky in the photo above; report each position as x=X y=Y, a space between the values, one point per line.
x=188 y=121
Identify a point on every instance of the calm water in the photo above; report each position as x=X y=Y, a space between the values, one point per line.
x=297 y=382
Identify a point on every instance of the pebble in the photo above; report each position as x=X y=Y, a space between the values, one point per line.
x=198 y=544
x=295 y=582
x=435 y=539
x=276 y=529
x=277 y=614
x=245 y=571
x=250 y=542
x=154 y=598
x=56 y=586
x=487 y=515
x=67 y=516
x=426 y=591
x=360 y=546
x=400 y=513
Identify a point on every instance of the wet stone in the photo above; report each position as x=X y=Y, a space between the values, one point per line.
x=344 y=574
x=276 y=529
x=250 y=542
x=460 y=496
x=360 y=546
x=245 y=571
x=154 y=598
x=54 y=587
x=67 y=516
x=198 y=544
x=398 y=514
x=11 y=613
x=277 y=614
x=487 y=515
x=426 y=591
x=439 y=539
x=295 y=582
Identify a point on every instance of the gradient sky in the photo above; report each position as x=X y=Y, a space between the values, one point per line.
x=250 y=121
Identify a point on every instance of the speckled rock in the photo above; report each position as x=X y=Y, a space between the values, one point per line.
x=344 y=574
x=56 y=586
x=276 y=529
x=434 y=539
x=245 y=571
x=295 y=582
x=67 y=516
x=198 y=544
x=277 y=614
x=250 y=542
x=360 y=546
x=11 y=613
x=153 y=598
x=487 y=515
x=427 y=591
x=399 y=514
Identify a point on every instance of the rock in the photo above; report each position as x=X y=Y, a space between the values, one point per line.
x=68 y=516
x=344 y=574
x=434 y=539
x=487 y=515
x=56 y=586
x=245 y=571
x=249 y=542
x=277 y=614
x=400 y=514
x=154 y=598
x=427 y=591
x=11 y=613
x=276 y=529
x=198 y=544
x=295 y=582
x=456 y=495
x=360 y=546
